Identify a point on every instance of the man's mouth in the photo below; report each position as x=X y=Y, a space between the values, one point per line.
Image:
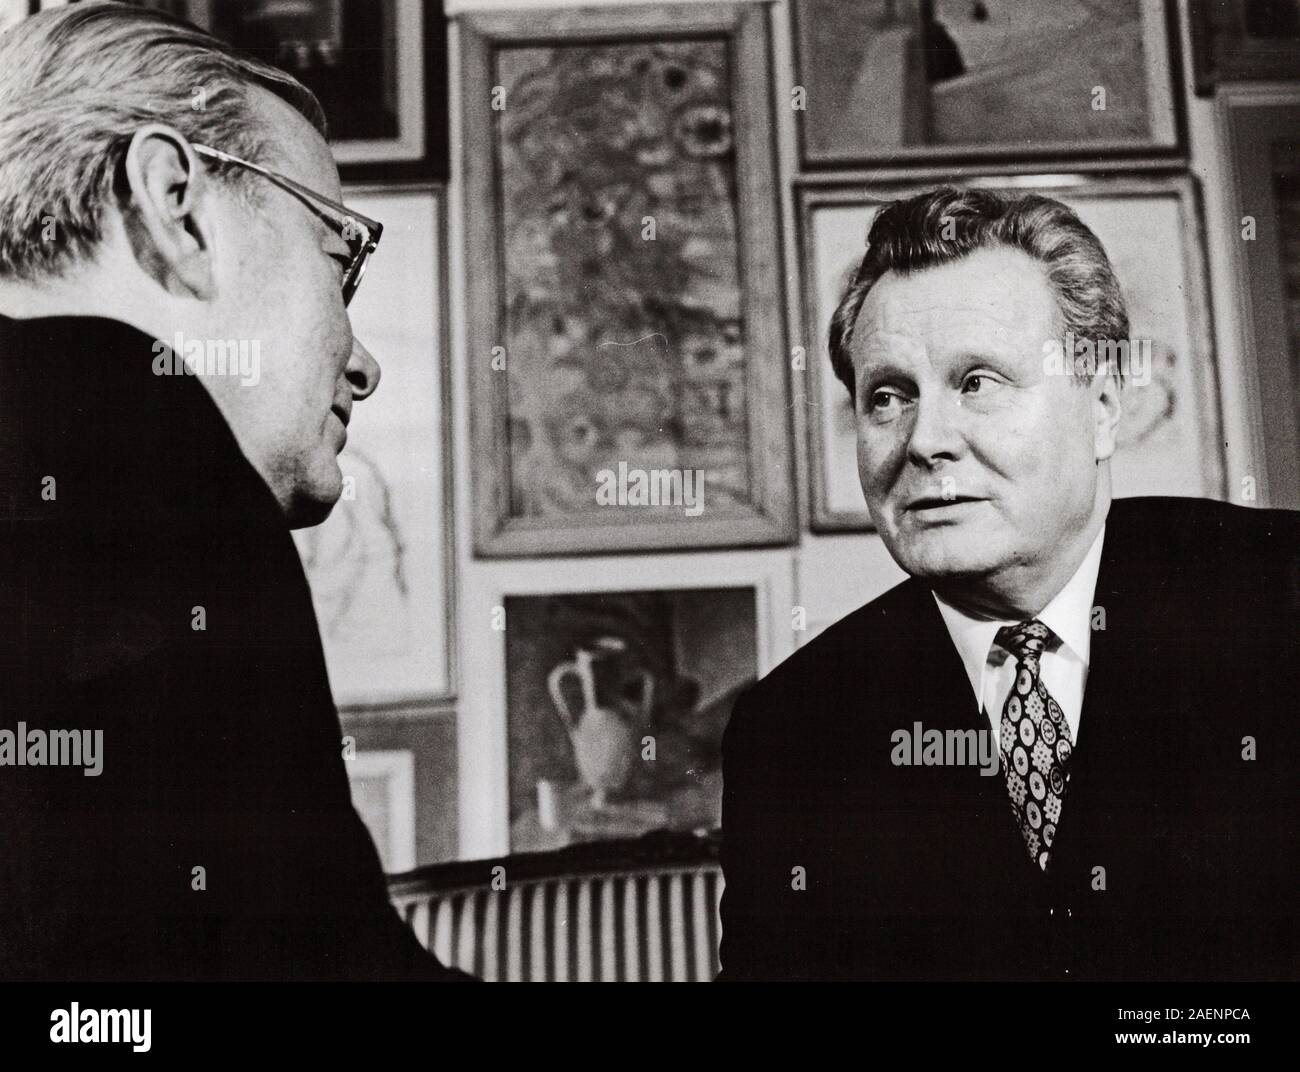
x=341 y=414
x=934 y=502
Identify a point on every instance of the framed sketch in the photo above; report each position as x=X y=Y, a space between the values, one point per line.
x=378 y=67
x=1244 y=41
x=380 y=566
x=913 y=80
x=1170 y=442
x=617 y=702
x=627 y=357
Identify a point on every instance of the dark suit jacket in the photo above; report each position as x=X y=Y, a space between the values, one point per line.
x=221 y=746
x=921 y=872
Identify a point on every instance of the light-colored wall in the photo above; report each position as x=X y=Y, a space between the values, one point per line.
x=828 y=575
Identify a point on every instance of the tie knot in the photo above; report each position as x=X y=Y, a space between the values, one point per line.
x=1025 y=641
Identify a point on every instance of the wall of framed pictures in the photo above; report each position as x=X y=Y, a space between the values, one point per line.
x=1145 y=170
x=648 y=213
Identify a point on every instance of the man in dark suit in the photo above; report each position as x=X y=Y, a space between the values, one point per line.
x=173 y=800
x=1131 y=665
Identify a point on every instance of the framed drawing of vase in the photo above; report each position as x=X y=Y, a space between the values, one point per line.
x=616 y=706
x=628 y=371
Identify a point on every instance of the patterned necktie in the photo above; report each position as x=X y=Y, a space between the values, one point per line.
x=1035 y=745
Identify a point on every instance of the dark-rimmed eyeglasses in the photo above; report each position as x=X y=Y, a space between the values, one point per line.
x=359 y=232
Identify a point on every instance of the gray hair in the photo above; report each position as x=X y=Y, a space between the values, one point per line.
x=76 y=83
x=942 y=225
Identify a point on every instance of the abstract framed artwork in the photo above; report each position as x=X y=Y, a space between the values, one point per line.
x=625 y=335
x=617 y=702
x=1170 y=443
x=381 y=565
x=894 y=81
x=378 y=67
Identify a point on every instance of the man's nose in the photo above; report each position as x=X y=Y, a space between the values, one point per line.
x=362 y=371
x=934 y=434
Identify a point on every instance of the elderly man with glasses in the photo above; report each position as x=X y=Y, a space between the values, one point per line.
x=156 y=185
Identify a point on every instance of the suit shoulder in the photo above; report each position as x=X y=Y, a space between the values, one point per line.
x=801 y=683
x=1216 y=545
x=1196 y=521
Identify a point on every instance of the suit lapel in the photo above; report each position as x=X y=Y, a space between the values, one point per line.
x=1126 y=668
x=976 y=803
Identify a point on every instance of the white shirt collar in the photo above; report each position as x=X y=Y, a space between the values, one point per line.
x=1068 y=615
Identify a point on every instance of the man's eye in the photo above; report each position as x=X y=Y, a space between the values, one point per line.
x=976 y=382
x=882 y=400
x=342 y=260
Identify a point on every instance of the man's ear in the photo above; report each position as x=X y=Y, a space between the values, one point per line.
x=168 y=219
x=1106 y=411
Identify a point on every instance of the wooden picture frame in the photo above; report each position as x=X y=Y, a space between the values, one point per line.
x=482 y=711
x=1236 y=41
x=382 y=566
x=1174 y=420
x=424 y=802
x=917 y=81
x=385 y=94
x=1260 y=128
x=684 y=357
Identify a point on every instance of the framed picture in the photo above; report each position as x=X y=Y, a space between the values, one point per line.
x=1244 y=41
x=401 y=764
x=617 y=702
x=381 y=565
x=503 y=718
x=1151 y=230
x=627 y=357
x=1261 y=135
x=914 y=80
x=378 y=67
x=383 y=793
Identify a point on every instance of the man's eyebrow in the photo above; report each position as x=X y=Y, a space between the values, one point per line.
x=875 y=372
x=883 y=366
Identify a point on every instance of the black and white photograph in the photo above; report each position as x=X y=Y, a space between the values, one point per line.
x=637 y=491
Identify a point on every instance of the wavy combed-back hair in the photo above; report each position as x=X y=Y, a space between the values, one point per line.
x=76 y=83
x=943 y=225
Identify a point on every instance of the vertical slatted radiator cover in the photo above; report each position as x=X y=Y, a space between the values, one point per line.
x=653 y=921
